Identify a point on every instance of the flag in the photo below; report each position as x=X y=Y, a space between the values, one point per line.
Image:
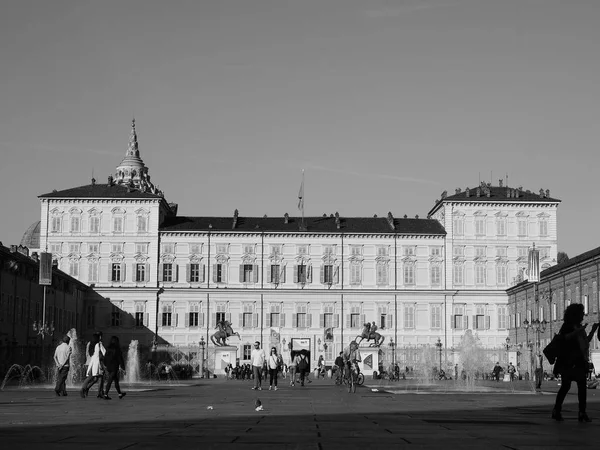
x=45 y=274
x=301 y=194
x=534 y=265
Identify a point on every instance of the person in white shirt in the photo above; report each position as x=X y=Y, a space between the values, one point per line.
x=258 y=359
x=275 y=362
x=62 y=359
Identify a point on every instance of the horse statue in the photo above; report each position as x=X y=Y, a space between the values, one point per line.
x=371 y=335
x=219 y=338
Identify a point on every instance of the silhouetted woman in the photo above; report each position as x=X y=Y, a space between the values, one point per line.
x=572 y=361
x=94 y=372
x=113 y=360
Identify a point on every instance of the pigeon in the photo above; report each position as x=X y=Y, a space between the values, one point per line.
x=258 y=405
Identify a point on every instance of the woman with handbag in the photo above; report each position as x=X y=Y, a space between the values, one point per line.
x=572 y=361
x=95 y=371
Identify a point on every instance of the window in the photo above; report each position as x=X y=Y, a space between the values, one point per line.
x=302 y=249
x=117 y=224
x=501 y=252
x=459 y=321
x=302 y=274
x=139 y=314
x=355 y=317
x=94 y=248
x=195 y=249
x=458 y=224
x=436 y=251
x=586 y=304
x=384 y=321
x=409 y=274
x=142 y=224
x=167 y=272
x=409 y=316
x=409 y=251
x=501 y=226
x=522 y=252
x=435 y=275
x=247 y=351
x=480 y=274
x=554 y=311
x=327 y=319
x=501 y=274
x=382 y=251
x=141 y=248
x=56 y=248
x=356 y=250
x=140 y=272
x=221 y=316
x=327 y=272
x=480 y=318
x=55 y=224
x=436 y=316
x=168 y=247
x=247 y=320
x=249 y=273
x=522 y=227
x=458 y=251
x=274 y=318
x=543 y=227
x=75 y=224
x=329 y=250
x=249 y=249
x=93 y=270
x=194 y=273
x=458 y=274
x=116 y=247
x=480 y=226
x=115 y=316
x=302 y=319
x=74 y=268
x=480 y=251
x=193 y=319
x=382 y=274
x=355 y=273
x=95 y=224
x=167 y=312
x=219 y=273
x=275 y=269
x=74 y=247
x=222 y=249
x=275 y=250
x=115 y=272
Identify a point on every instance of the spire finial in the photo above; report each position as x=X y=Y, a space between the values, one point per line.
x=132 y=149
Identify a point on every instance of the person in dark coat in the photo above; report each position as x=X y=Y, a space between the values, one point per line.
x=572 y=361
x=113 y=360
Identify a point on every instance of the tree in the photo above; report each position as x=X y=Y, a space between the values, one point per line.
x=562 y=257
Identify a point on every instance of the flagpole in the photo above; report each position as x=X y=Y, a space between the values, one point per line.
x=302 y=198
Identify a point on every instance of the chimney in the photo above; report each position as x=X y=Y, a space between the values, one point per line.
x=13 y=248
x=390 y=220
x=488 y=192
x=93 y=181
x=110 y=180
x=457 y=191
x=467 y=192
x=444 y=194
x=542 y=193
x=500 y=182
x=547 y=193
x=23 y=250
x=417 y=216
x=405 y=216
x=286 y=218
x=235 y=219
x=478 y=192
x=337 y=220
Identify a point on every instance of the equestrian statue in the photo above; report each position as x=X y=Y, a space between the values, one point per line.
x=370 y=333
x=219 y=338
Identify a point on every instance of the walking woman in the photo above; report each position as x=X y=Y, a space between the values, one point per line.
x=94 y=372
x=274 y=364
x=113 y=360
x=572 y=362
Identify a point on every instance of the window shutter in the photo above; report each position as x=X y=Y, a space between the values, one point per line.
x=389 y=319
x=309 y=320
x=187 y=272
x=147 y=273
x=255 y=272
x=187 y=320
x=348 y=321
x=322 y=274
x=123 y=272
x=282 y=274
x=228 y=317
x=133 y=272
x=295 y=320
x=452 y=321
x=241 y=273
x=201 y=274
x=282 y=320
x=466 y=324
x=269 y=269
x=214 y=269
x=177 y=321
x=109 y=271
x=201 y=319
x=321 y=320
x=309 y=274
x=242 y=320
x=336 y=275
x=475 y=324
x=213 y=318
x=487 y=322
x=255 y=320
x=176 y=274
x=224 y=273
x=267 y=320
x=336 y=320
x=363 y=319
x=160 y=272
x=146 y=320
x=295 y=273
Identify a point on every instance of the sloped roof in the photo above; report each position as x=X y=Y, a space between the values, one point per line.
x=374 y=225
x=496 y=194
x=571 y=262
x=100 y=191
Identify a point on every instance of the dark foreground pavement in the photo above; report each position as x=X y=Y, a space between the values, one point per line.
x=318 y=416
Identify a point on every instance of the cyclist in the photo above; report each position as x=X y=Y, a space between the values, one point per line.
x=351 y=355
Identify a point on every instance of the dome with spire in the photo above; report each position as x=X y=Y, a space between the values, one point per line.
x=31 y=237
x=132 y=171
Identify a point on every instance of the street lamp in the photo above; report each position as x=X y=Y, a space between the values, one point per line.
x=507 y=348
x=202 y=344
x=392 y=345
x=438 y=344
x=539 y=327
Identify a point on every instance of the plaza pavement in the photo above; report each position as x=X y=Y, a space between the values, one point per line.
x=317 y=416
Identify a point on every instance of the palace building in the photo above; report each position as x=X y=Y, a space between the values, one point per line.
x=156 y=276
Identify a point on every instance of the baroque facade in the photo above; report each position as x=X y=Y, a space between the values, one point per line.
x=168 y=278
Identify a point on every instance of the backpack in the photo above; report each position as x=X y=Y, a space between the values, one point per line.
x=303 y=363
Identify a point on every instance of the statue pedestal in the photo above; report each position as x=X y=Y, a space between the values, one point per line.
x=370 y=360
x=223 y=357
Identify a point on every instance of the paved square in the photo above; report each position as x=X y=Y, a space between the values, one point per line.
x=318 y=416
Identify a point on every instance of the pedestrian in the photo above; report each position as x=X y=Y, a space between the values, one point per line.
x=302 y=365
x=339 y=363
x=572 y=361
x=321 y=367
x=292 y=368
x=511 y=371
x=62 y=359
x=113 y=360
x=95 y=369
x=258 y=359
x=496 y=371
x=274 y=364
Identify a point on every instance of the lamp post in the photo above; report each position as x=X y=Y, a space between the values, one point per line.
x=392 y=345
x=507 y=345
x=539 y=327
x=202 y=344
x=439 y=344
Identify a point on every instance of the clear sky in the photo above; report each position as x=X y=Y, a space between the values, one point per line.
x=385 y=104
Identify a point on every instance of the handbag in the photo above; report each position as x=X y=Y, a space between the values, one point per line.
x=553 y=349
